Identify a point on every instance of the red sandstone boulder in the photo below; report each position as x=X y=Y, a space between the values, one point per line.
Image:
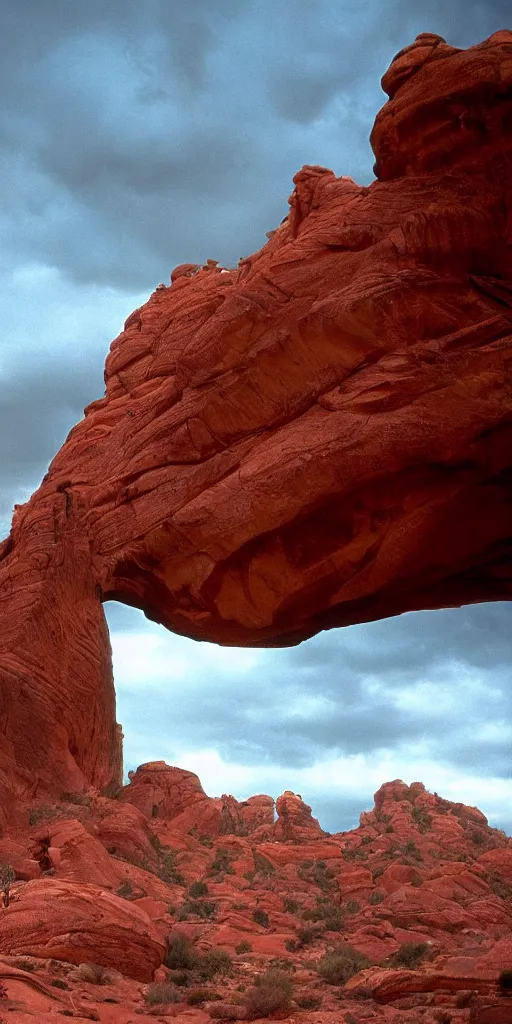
x=294 y=819
x=77 y=923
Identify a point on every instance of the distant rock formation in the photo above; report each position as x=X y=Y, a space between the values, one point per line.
x=420 y=893
x=320 y=437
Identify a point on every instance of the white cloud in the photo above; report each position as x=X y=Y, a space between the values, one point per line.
x=175 y=675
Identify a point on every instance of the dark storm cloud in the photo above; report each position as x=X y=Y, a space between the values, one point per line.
x=140 y=135
x=35 y=418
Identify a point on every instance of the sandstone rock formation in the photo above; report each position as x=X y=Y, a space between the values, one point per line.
x=319 y=437
x=422 y=889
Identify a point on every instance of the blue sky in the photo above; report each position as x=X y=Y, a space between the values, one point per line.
x=139 y=136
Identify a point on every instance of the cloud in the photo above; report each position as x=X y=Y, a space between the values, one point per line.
x=140 y=136
x=55 y=335
x=411 y=697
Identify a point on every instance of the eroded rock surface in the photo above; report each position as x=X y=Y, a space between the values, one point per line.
x=422 y=889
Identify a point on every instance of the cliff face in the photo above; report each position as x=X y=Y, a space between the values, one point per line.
x=319 y=437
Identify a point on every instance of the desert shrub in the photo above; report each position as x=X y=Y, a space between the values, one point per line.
x=197 y=889
x=307 y=935
x=376 y=873
x=409 y=849
x=243 y=947
x=421 y=819
x=308 y=1001
x=95 y=974
x=225 y=1011
x=180 y=954
x=316 y=873
x=221 y=863
x=239 y=906
x=7 y=875
x=340 y=964
x=198 y=996
x=263 y=865
x=59 y=983
x=464 y=998
x=389 y=829
x=215 y=961
x=349 y=853
x=505 y=979
x=200 y=908
x=478 y=837
x=167 y=869
x=377 y=897
x=409 y=955
x=37 y=814
x=125 y=890
x=161 y=993
x=179 y=978
x=260 y=917
x=443 y=1017
x=329 y=914
x=205 y=841
x=111 y=790
x=499 y=887
x=76 y=798
x=272 y=991
x=291 y=906
x=291 y=945
x=3 y=991
x=25 y=965
x=353 y=907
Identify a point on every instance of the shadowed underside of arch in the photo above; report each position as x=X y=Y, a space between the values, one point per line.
x=318 y=437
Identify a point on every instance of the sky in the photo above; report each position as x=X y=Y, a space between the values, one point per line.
x=137 y=136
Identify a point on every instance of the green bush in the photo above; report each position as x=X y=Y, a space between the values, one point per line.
x=377 y=897
x=199 y=908
x=260 y=917
x=221 y=863
x=316 y=873
x=353 y=907
x=272 y=991
x=505 y=978
x=125 y=890
x=215 y=961
x=7 y=875
x=309 y=1002
x=179 y=978
x=263 y=865
x=243 y=947
x=329 y=913
x=409 y=955
x=224 y=1011
x=198 y=996
x=205 y=841
x=307 y=935
x=197 y=889
x=291 y=945
x=180 y=953
x=340 y=964
x=291 y=906
x=160 y=993
x=167 y=869
x=421 y=819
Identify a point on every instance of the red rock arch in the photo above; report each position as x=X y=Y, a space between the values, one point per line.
x=318 y=437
